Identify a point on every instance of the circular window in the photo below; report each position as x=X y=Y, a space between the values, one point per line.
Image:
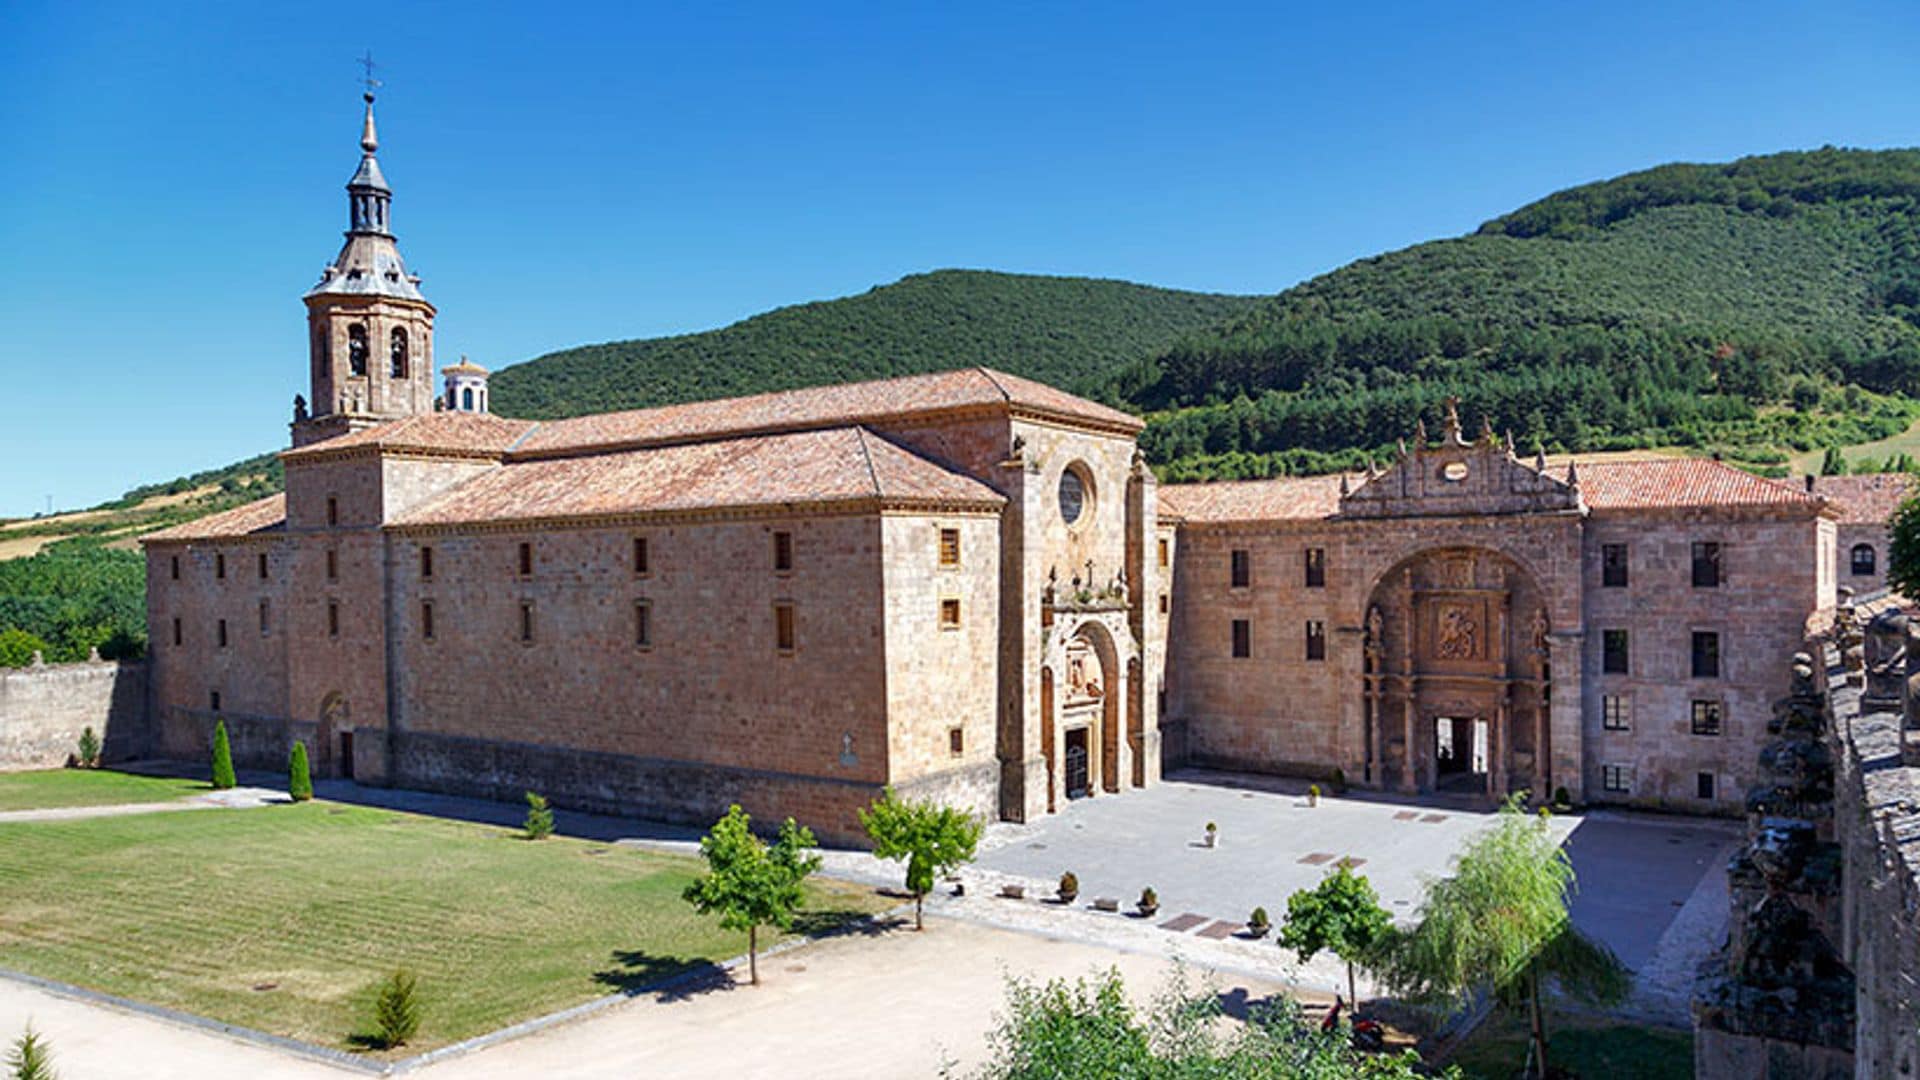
x=1454 y=471
x=1075 y=493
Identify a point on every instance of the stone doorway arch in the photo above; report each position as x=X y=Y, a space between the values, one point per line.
x=334 y=735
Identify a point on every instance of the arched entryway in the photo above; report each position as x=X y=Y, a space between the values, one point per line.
x=1457 y=675
x=334 y=736
x=1082 y=714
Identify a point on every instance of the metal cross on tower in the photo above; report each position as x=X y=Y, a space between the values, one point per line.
x=367 y=63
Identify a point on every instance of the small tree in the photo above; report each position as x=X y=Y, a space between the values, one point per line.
x=934 y=839
x=17 y=647
x=299 y=778
x=396 y=1009
x=749 y=882
x=1903 y=554
x=1501 y=922
x=30 y=1058
x=539 y=824
x=222 y=758
x=1832 y=463
x=1341 y=915
x=89 y=747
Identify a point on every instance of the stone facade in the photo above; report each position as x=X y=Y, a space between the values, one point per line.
x=44 y=708
x=1865 y=504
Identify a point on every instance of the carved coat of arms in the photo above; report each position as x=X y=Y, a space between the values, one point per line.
x=1456 y=634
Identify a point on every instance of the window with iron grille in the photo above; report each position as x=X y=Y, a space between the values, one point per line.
x=949 y=547
x=1242 y=568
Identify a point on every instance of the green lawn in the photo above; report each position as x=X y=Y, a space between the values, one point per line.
x=52 y=788
x=1589 y=1047
x=283 y=918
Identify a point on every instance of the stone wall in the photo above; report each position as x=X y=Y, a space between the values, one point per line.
x=43 y=710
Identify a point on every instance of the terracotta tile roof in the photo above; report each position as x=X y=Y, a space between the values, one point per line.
x=1280 y=499
x=1666 y=483
x=824 y=406
x=463 y=433
x=1868 y=499
x=834 y=465
x=263 y=516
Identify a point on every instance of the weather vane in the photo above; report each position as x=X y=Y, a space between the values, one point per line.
x=367 y=63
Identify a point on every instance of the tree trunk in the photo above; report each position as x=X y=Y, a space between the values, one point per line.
x=1353 y=997
x=918 y=900
x=753 y=954
x=1539 y=1024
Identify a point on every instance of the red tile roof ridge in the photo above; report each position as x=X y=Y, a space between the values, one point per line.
x=266 y=515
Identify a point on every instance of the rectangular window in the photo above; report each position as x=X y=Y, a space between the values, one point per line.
x=213 y=700
x=1617 y=778
x=1613 y=566
x=333 y=510
x=262 y=560
x=1242 y=639
x=1706 y=564
x=949 y=547
x=1706 y=718
x=1613 y=652
x=1703 y=785
x=1163 y=603
x=176 y=568
x=220 y=567
x=1164 y=552
x=1616 y=712
x=1316 y=568
x=333 y=618
x=526 y=622
x=1316 y=639
x=1706 y=654
x=176 y=630
x=956 y=741
x=526 y=559
x=333 y=565
x=266 y=617
x=643 y=624
x=426 y=620
x=426 y=563
x=642 y=564
x=949 y=614
x=783 y=627
x=782 y=552
x=1242 y=568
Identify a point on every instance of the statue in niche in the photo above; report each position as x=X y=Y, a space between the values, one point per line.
x=1083 y=676
x=1539 y=629
x=1458 y=635
x=1376 y=628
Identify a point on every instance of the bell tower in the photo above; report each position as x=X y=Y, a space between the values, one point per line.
x=369 y=330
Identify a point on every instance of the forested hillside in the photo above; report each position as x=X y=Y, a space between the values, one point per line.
x=1071 y=332
x=1752 y=309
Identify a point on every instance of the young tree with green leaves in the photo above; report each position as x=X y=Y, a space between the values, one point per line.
x=30 y=1058
x=934 y=839
x=396 y=1009
x=299 y=777
x=1903 y=554
x=89 y=747
x=223 y=777
x=1342 y=915
x=1500 y=923
x=539 y=823
x=751 y=883
x=1832 y=464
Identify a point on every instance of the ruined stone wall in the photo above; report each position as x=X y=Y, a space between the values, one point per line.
x=43 y=710
x=1772 y=586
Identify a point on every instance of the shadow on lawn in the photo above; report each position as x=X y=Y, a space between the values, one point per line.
x=674 y=978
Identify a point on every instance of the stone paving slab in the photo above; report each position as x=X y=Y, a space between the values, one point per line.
x=1220 y=930
x=1180 y=924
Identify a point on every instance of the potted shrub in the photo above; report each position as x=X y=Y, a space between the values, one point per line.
x=1213 y=835
x=1257 y=924
x=1313 y=795
x=1149 y=902
x=1069 y=887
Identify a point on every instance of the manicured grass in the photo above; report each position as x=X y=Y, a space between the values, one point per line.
x=1589 y=1047
x=47 y=789
x=283 y=918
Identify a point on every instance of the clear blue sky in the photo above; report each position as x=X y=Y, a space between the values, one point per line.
x=171 y=175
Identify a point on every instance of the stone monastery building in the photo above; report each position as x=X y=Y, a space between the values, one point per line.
x=967 y=585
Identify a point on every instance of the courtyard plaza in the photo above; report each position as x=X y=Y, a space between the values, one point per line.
x=1649 y=887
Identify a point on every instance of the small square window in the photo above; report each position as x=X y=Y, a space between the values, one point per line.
x=426 y=620
x=642 y=560
x=1613 y=566
x=261 y=559
x=526 y=622
x=213 y=700
x=783 y=627
x=333 y=510
x=782 y=552
x=949 y=614
x=426 y=563
x=1616 y=778
x=1706 y=654
x=526 y=559
x=1616 y=712
x=1614 y=659
x=220 y=632
x=1706 y=718
x=1164 y=551
x=1706 y=564
x=333 y=618
x=1163 y=603
x=220 y=566
x=1316 y=568
x=1242 y=568
x=1316 y=639
x=956 y=741
x=1703 y=785
x=1242 y=639
x=949 y=547
x=643 y=624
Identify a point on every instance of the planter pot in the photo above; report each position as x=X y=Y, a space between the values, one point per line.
x=1106 y=903
x=1257 y=932
x=1069 y=897
x=1212 y=840
x=1013 y=892
x=1148 y=911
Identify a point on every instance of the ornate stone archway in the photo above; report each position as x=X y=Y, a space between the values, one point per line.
x=1085 y=686
x=1456 y=672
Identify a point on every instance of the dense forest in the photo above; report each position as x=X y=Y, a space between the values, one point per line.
x=71 y=597
x=1071 y=332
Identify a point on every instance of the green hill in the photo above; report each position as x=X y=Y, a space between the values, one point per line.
x=1754 y=308
x=1071 y=332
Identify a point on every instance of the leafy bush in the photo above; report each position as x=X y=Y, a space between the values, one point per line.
x=1258 y=918
x=223 y=777
x=89 y=748
x=396 y=1010
x=539 y=823
x=299 y=778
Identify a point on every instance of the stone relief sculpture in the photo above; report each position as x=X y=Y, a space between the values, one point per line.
x=1458 y=635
